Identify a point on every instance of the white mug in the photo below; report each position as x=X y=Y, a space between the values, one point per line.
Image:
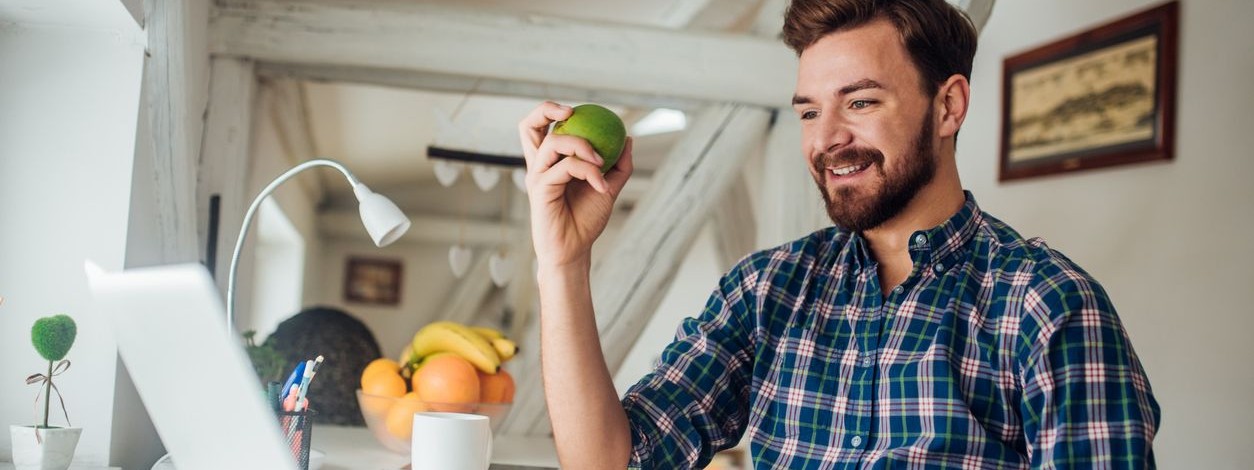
x=451 y=441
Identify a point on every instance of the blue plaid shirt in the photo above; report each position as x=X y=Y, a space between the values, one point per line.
x=996 y=352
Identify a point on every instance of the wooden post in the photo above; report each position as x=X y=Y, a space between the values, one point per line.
x=791 y=204
x=284 y=105
x=172 y=111
x=224 y=155
x=735 y=227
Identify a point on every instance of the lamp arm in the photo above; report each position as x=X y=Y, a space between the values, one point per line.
x=248 y=218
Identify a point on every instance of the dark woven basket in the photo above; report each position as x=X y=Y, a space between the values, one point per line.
x=348 y=347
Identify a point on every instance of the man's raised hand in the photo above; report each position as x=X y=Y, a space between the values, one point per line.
x=567 y=215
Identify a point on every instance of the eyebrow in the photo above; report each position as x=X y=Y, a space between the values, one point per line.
x=863 y=84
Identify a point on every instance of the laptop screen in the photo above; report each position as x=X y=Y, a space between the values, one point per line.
x=194 y=378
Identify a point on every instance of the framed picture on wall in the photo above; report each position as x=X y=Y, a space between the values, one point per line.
x=372 y=281
x=1099 y=98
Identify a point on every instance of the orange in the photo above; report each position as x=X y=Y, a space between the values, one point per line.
x=384 y=385
x=380 y=364
x=496 y=388
x=447 y=382
x=382 y=377
x=400 y=419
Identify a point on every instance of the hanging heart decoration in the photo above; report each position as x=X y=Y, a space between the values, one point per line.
x=446 y=172
x=459 y=260
x=485 y=177
x=520 y=179
x=501 y=268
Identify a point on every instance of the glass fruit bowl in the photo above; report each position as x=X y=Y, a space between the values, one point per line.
x=390 y=419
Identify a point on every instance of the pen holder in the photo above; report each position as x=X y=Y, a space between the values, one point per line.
x=297 y=428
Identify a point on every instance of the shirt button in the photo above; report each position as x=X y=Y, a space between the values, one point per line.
x=856 y=441
x=939 y=268
x=897 y=290
x=920 y=239
x=867 y=361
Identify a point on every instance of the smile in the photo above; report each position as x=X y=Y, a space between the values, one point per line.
x=848 y=170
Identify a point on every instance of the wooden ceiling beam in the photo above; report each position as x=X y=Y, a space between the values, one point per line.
x=448 y=83
x=344 y=224
x=524 y=48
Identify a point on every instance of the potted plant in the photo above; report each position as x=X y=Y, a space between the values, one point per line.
x=41 y=446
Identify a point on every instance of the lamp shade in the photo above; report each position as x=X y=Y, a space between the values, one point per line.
x=383 y=220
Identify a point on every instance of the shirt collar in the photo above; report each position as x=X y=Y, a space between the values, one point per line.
x=943 y=241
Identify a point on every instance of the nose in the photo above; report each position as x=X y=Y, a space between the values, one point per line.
x=828 y=133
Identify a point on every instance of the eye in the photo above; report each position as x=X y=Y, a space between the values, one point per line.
x=861 y=104
x=807 y=115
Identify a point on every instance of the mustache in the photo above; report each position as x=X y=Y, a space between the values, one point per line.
x=846 y=157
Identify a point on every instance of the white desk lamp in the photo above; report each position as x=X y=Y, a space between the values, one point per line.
x=383 y=220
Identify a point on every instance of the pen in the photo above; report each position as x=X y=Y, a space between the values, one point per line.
x=304 y=384
x=301 y=403
x=295 y=378
x=310 y=372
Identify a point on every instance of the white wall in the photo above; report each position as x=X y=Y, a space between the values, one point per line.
x=69 y=98
x=278 y=270
x=1168 y=241
x=426 y=281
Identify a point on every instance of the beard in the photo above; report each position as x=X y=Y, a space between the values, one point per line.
x=858 y=209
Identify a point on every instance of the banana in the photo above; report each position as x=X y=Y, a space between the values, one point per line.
x=452 y=337
x=505 y=348
x=407 y=360
x=488 y=333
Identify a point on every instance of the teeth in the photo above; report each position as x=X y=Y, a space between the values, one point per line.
x=842 y=171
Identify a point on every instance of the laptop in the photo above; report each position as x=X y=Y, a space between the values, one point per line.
x=194 y=378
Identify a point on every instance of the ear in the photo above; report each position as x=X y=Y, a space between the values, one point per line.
x=952 y=100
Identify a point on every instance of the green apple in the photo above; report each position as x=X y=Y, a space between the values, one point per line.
x=600 y=127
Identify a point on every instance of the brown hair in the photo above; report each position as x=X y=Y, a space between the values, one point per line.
x=940 y=38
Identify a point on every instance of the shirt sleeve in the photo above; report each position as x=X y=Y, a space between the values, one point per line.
x=1086 y=400
x=696 y=400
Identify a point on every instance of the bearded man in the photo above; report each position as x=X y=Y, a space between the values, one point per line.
x=917 y=332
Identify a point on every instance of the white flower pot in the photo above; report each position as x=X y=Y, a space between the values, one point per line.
x=54 y=453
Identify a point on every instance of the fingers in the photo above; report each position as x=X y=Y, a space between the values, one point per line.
x=618 y=175
x=572 y=169
x=554 y=147
x=544 y=153
x=533 y=127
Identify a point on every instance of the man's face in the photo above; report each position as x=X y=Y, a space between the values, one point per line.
x=866 y=126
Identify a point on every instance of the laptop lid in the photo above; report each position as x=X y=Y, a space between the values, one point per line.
x=194 y=379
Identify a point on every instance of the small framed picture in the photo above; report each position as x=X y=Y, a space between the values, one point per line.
x=1099 y=98
x=372 y=281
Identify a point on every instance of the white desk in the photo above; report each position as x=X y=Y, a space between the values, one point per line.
x=355 y=448
x=9 y=466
